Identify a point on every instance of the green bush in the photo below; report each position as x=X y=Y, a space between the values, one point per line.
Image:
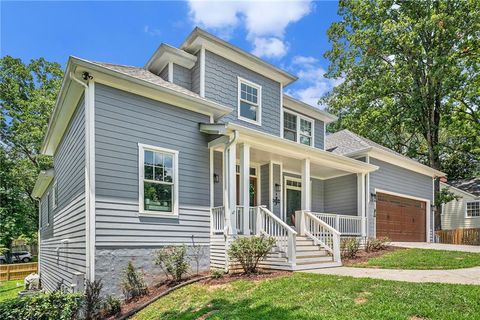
x=173 y=261
x=55 y=305
x=378 y=244
x=111 y=307
x=133 y=284
x=217 y=273
x=349 y=248
x=92 y=302
x=248 y=251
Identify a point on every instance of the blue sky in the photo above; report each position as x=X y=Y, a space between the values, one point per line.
x=288 y=34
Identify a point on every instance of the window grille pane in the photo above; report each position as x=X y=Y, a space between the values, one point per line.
x=148 y=173
x=148 y=155
x=305 y=140
x=290 y=121
x=305 y=127
x=158 y=197
x=290 y=135
x=248 y=111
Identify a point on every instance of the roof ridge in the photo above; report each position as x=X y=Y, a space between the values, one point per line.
x=357 y=137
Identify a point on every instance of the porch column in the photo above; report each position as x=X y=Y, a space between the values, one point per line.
x=232 y=186
x=361 y=202
x=245 y=185
x=306 y=186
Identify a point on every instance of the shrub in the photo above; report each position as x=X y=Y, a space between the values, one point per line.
x=92 y=302
x=111 y=307
x=217 y=273
x=55 y=305
x=133 y=284
x=349 y=248
x=378 y=244
x=248 y=251
x=173 y=261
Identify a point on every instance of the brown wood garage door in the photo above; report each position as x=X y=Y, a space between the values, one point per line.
x=400 y=219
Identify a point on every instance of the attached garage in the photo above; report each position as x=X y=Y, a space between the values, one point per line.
x=400 y=219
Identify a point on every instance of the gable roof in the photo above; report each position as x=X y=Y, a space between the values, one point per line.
x=347 y=143
x=471 y=185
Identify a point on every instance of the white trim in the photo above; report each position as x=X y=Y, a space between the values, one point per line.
x=170 y=71
x=311 y=111
x=166 y=53
x=297 y=133
x=281 y=110
x=447 y=186
x=241 y=80
x=427 y=208
x=141 y=154
x=270 y=184
x=466 y=206
x=306 y=185
x=202 y=72
x=324 y=134
x=212 y=182
x=54 y=195
x=361 y=212
x=367 y=199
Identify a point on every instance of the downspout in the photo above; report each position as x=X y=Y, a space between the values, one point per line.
x=226 y=174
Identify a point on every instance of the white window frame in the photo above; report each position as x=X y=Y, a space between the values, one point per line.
x=141 y=174
x=466 y=209
x=48 y=208
x=54 y=195
x=259 y=100
x=299 y=116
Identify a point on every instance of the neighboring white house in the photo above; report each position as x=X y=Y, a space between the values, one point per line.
x=465 y=211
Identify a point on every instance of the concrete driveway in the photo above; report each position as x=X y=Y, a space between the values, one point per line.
x=437 y=246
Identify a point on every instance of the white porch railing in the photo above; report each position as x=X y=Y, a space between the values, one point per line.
x=269 y=224
x=346 y=225
x=218 y=220
x=321 y=233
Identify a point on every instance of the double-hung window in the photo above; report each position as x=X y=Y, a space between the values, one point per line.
x=473 y=209
x=158 y=180
x=297 y=128
x=249 y=101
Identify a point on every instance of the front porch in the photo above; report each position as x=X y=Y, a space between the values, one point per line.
x=306 y=199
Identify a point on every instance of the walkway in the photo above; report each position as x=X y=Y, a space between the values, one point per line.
x=457 y=276
x=437 y=246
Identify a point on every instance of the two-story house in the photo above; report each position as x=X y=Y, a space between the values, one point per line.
x=200 y=146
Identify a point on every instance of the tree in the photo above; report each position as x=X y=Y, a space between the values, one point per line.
x=27 y=96
x=409 y=67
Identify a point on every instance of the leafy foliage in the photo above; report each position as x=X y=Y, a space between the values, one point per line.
x=133 y=283
x=217 y=273
x=55 y=305
x=173 y=261
x=27 y=96
x=92 y=301
x=248 y=251
x=349 y=248
x=111 y=307
x=376 y=244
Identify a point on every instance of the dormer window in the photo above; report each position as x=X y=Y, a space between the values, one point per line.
x=298 y=128
x=249 y=101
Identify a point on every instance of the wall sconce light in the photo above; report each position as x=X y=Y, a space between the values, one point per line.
x=433 y=208
x=216 y=178
x=276 y=200
x=373 y=197
x=277 y=187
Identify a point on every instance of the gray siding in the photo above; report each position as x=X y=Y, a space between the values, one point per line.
x=277 y=179
x=196 y=76
x=164 y=73
x=396 y=179
x=318 y=198
x=182 y=76
x=453 y=212
x=221 y=85
x=122 y=120
x=68 y=219
x=319 y=134
x=341 y=195
x=218 y=187
x=264 y=182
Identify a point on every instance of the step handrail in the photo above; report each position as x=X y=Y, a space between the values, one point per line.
x=270 y=225
x=322 y=233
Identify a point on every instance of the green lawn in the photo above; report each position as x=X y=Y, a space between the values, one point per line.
x=9 y=289
x=310 y=296
x=423 y=259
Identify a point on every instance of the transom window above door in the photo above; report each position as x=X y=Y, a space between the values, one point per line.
x=297 y=128
x=249 y=101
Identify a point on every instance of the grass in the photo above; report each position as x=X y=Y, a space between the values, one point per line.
x=9 y=289
x=310 y=296
x=423 y=259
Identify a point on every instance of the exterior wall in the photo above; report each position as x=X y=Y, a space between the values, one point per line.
x=277 y=179
x=221 y=85
x=182 y=76
x=196 y=75
x=218 y=187
x=318 y=198
x=62 y=244
x=341 y=195
x=164 y=73
x=453 y=213
x=319 y=134
x=122 y=120
x=264 y=182
x=396 y=179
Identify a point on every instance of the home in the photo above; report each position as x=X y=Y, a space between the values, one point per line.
x=464 y=211
x=200 y=146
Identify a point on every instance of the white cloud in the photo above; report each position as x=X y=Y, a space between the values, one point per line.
x=312 y=84
x=152 y=31
x=265 y=21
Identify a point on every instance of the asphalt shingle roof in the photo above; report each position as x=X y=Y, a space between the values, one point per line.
x=468 y=185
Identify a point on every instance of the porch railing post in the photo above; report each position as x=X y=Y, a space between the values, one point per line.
x=258 y=225
x=300 y=222
x=337 y=222
x=291 y=248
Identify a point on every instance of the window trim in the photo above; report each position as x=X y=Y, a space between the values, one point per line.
x=466 y=209
x=54 y=195
x=241 y=80
x=299 y=116
x=48 y=208
x=141 y=174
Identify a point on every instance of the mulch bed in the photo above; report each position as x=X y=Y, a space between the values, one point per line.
x=363 y=256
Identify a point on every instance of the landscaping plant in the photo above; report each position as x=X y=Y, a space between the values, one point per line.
x=217 y=273
x=349 y=248
x=248 y=251
x=173 y=261
x=133 y=284
x=111 y=307
x=376 y=244
x=92 y=302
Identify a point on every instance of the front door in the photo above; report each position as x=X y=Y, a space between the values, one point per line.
x=293 y=200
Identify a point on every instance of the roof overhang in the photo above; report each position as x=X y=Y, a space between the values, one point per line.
x=165 y=54
x=199 y=38
x=292 y=149
x=308 y=110
x=43 y=181
x=446 y=185
x=397 y=160
x=71 y=92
